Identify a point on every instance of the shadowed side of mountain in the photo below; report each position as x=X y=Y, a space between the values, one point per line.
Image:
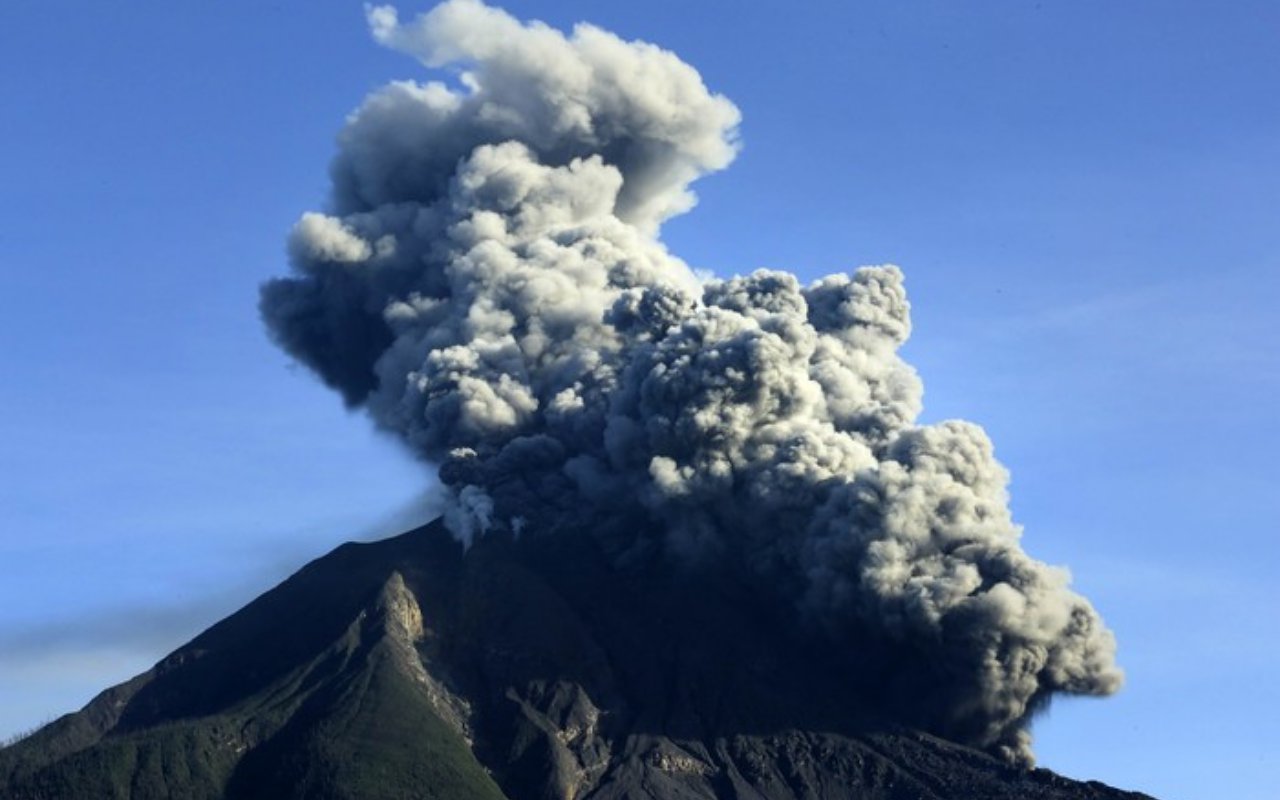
x=527 y=669
x=312 y=690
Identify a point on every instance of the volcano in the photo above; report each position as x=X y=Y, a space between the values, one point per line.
x=416 y=668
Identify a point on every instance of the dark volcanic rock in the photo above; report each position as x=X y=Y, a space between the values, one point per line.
x=409 y=669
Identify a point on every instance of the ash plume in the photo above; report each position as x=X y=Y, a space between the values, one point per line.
x=488 y=284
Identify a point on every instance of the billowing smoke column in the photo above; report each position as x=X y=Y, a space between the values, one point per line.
x=489 y=285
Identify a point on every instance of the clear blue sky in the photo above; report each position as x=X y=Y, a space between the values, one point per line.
x=1085 y=197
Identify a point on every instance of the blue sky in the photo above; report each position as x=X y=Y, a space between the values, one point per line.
x=1083 y=195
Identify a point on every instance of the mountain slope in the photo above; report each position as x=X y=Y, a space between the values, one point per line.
x=407 y=668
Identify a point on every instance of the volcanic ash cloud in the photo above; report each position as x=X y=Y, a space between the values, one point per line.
x=489 y=284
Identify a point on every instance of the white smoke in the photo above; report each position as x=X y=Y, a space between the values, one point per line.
x=489 y=285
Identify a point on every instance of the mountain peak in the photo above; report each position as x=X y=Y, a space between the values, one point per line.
x=411 y=667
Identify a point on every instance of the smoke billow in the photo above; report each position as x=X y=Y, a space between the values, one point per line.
x=488 y=283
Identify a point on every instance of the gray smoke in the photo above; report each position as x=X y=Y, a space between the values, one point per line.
x=489 y=285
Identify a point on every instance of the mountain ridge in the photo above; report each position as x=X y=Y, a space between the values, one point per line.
x=411 y=667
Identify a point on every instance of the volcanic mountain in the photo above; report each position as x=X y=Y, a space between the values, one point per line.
x=414 y=668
